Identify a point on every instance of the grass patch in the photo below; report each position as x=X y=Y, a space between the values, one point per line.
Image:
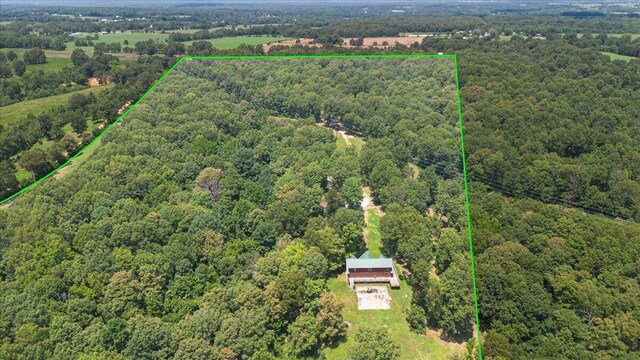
x=373 y=237
x=357 y=142
x=613 y=56
x=413 y=346
x=22 y=174
x=52 y=65
x=18 y=112
x=341 y=143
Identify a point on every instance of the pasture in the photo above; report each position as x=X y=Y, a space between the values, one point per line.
x=18 y=112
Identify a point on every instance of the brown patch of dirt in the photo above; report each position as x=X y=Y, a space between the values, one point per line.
x=6 y=205
x=301 y=41
x=60 y=173
x=124 y=107
x=95 y=81
x=415 y=169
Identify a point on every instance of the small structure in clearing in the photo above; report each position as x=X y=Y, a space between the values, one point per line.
x=367 y=269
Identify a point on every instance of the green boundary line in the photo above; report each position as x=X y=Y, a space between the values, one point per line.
x=466 y=200
x=327 y=56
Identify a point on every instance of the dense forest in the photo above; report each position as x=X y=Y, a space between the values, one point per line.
x=224 y=197
x=205 y=208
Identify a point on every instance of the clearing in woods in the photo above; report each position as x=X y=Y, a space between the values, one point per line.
x=428 y=345
x=613 y=56
x=413 y=346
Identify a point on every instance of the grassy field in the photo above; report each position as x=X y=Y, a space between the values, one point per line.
x=220 y=43
x=373 y=237
x=226 y=43
x=132 y=37
x=19 y=111
x=341 y=143
x=613 y=56
x=413 y=346
x=55 y=60
x=357 y=142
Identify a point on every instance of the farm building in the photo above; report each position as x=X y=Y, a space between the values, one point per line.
x=367 y=269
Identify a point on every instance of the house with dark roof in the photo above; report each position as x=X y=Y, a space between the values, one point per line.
x=367 y=269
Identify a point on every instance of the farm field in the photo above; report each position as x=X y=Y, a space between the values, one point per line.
x=613 y=56
x=223 y=43
x=19 y=111
x=226 y=43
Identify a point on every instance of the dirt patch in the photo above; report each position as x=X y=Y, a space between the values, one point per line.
x=6 y=205
x=60 y=173
x=373 y=298
x=415 y=169
x=95 y=81
x=367 y=203
x=301 y=41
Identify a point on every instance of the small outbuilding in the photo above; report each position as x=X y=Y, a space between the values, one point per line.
x=367 y=269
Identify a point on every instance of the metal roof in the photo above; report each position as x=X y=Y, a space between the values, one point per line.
x=366 y=261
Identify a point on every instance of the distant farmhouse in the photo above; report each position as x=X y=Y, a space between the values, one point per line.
x=367 y=269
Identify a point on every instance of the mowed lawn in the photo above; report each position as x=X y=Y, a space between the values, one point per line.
x=19 y=111
x=613 y=56
x=412 y=346
x=373 y=237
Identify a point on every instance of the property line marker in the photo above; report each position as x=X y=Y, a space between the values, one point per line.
x=466 y=200
x=323 y=56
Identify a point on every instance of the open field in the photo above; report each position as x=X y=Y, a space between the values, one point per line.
x=613 y=56
x=226 y=43
x=19 y=111
x=372 y=235
x=134 y=37
x=413 y=346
